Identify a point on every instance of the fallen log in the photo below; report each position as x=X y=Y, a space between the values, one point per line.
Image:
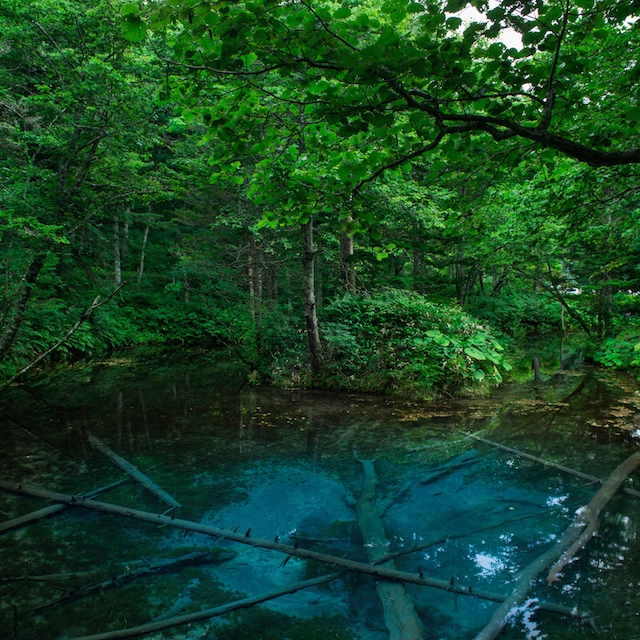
x=399 y=614
x=351 y=565
x=177 y=621
x=134 y=472
x=585 y=523
x=161 y=566
x=28 y=518
x=587 y=519
x=579 y=474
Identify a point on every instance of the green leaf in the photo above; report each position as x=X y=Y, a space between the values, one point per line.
x=478 y=374
x=129 y=8
x=633 y=113
x=133 y=28
x=342 y=13
x=475 y=353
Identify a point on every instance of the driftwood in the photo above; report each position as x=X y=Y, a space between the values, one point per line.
x=574 y=538
x=587 y=519
x=361 y=567
x=209 y=613
x=398 y=611
x=161 y=566
x=28 y=518
x=134 y=472
x=628 y=490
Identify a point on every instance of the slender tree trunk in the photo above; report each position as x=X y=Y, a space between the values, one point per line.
x=142 y=253
x=20 y=302
x=308 y=290
x=459 y=274
x=347 y=269
x=319 y=292
x=116 y=252
x=125 y=237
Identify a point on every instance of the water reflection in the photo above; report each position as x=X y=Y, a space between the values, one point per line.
x=279 y=463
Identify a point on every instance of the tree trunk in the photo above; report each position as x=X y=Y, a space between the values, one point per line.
x=308 y=290
x=142 y=253
x=574 y=538
x=319 y=274
x=398 y=611
x=20 y=304
x=347 y=270
x=459 y=274
x=134 y=472
x=125 y=237
x=116 y=252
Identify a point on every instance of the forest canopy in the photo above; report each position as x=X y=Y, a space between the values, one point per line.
x=226 y=173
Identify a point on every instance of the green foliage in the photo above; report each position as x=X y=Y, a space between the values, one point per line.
x=397 y=342
x=518 y=313
x=621 y=351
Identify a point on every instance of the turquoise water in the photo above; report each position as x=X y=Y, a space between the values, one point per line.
x=281 y=464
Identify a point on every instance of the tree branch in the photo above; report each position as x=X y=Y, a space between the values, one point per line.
x=94 y=305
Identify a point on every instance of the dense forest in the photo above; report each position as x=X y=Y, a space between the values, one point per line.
x=381 y=196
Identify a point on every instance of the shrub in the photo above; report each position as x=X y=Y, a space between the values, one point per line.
x=398 y=342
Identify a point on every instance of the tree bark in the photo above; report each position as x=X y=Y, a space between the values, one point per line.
x=308 y=289
x=117 y=266
x=142 y=253
x=135 y=473
x=347 y=270
x=399 y=614
x=34 y=516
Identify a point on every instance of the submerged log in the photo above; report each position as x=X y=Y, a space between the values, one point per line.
x=587 y=519
x=176 y=621
x=351 y=565
x=45 y=512
x=522 y=454
x=161 y=566
x=399 y=614
x=134 y=472
x=562 y=552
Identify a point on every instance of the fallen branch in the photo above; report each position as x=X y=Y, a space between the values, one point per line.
x=134 y=472
x=585 y=520
x=94 y=305
x=28 y=518
x=579 y=474
x=351 y=565
x=162 y=566
x=398 y=611
x=209 y=613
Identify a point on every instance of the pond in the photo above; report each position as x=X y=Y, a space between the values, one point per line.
x=286 y=466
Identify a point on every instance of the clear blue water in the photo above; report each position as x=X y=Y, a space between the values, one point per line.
x=280 y=463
